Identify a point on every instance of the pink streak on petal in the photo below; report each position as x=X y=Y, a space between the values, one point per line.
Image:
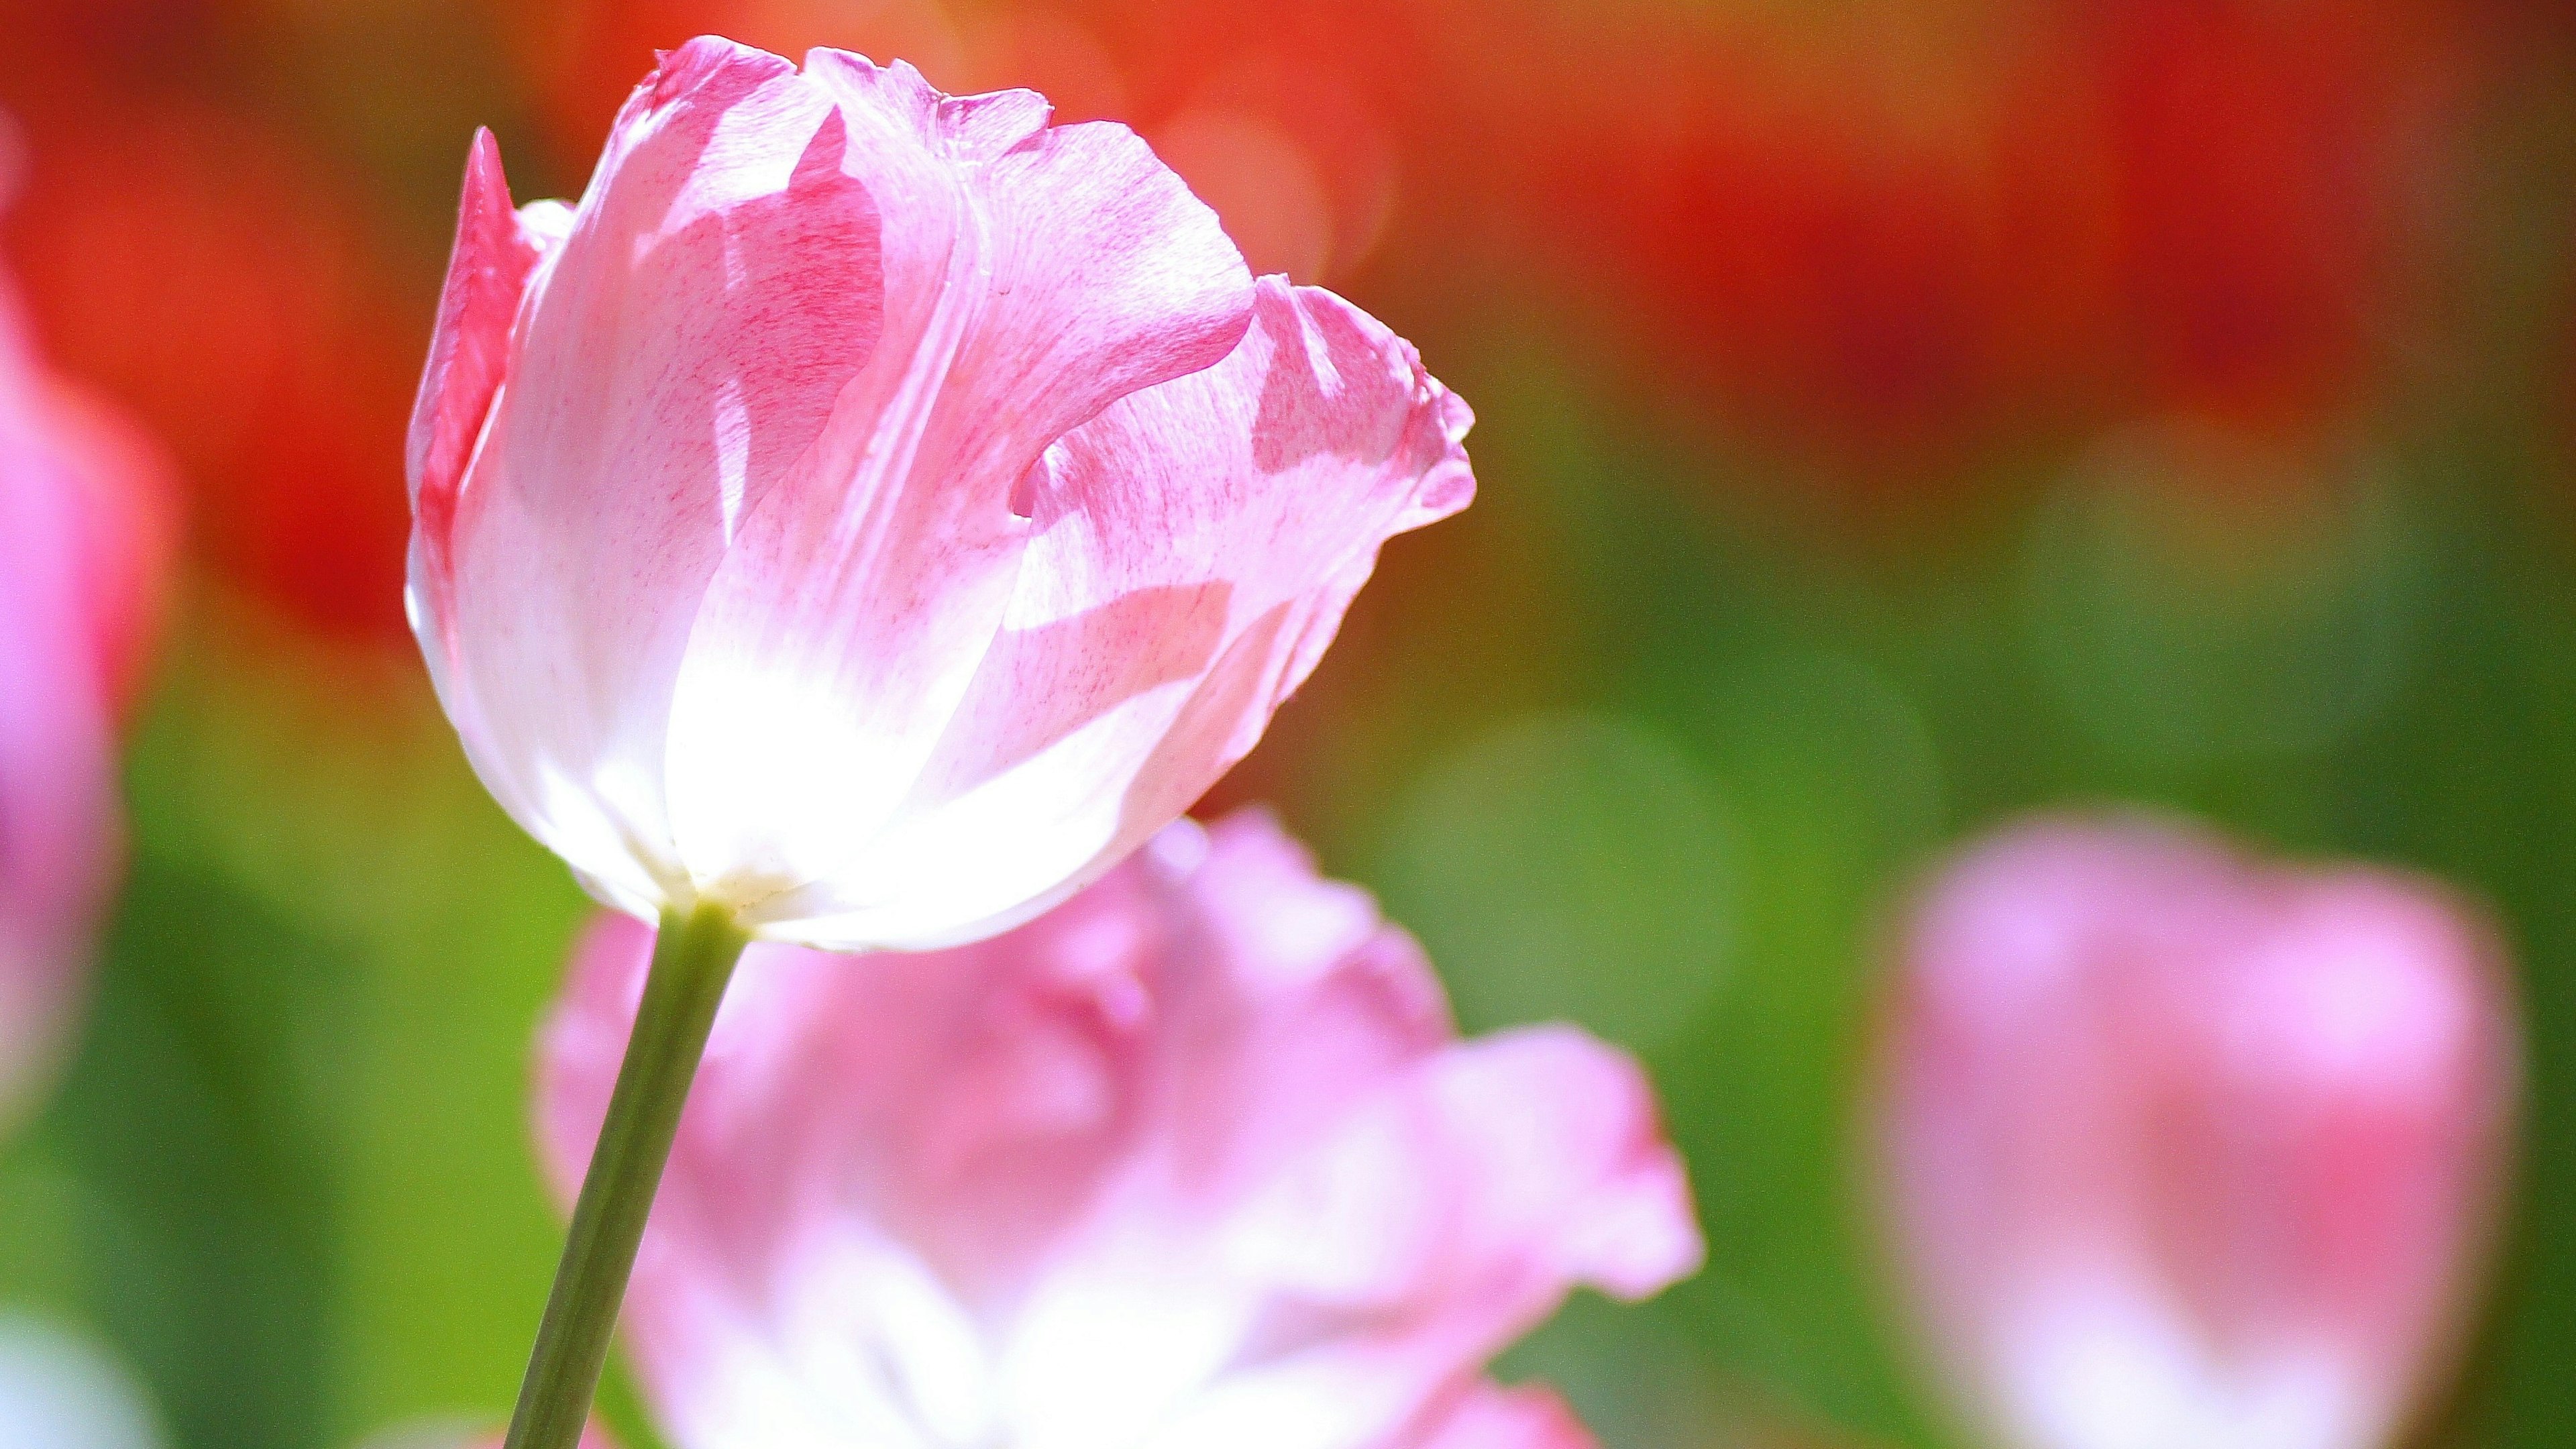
x=1196 y=1149
x=469 y=344
x=2177 y=1138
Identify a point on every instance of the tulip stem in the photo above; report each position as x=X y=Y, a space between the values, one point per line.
x=693 y=958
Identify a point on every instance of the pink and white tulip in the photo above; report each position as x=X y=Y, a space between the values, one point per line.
x=82 y=545
x=875 y=512
x=1196 y=1158
x=2187 y=1150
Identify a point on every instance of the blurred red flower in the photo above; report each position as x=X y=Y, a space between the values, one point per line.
x=202 y=270
x=1930 y=231
x=1279 y=117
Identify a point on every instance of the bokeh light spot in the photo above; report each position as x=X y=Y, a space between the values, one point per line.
x=1263 y=185
x=1568 y=866
x=2198 y=593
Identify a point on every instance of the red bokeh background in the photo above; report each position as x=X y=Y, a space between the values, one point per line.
x=1883 y=243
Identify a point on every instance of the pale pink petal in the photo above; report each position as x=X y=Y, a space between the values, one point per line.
x=1197 y=545
x=1490 y=1416
x=1034 y=275
x=859 y=1124
x=1192 y=1154
x=1430 y=1228
x=678 y=355
x=2186 y=1148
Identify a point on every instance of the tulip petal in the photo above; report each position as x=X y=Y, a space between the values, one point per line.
x=1429 y=1231
x=673 y=364
x=1033 y=276
x=469 y=344
x=1193 y=1158
x=1197 y=545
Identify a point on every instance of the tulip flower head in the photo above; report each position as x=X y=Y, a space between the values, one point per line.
x=872 y=512
x=1196 y=1158
x=82 y=544
x=2184 y=1150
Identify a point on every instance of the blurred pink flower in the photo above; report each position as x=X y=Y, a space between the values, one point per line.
x=2184 y=1150
x=875 y=512
x=83 y=545
x=1196 y=1158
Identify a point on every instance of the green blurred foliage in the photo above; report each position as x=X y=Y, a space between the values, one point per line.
x=1655 y=737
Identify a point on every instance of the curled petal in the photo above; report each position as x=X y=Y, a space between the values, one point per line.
x=1196 y=547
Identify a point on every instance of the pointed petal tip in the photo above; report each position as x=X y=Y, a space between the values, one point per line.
x=487 y=185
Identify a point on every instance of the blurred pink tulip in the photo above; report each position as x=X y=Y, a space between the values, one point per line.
x=2184 y=1150
x=1196 y=1158
x=875 y=513
x=82 y=548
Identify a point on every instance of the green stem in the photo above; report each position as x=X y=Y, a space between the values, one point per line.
x=693 y=958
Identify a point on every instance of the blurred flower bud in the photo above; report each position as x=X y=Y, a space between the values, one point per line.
x=2185 y=1150
x=874 y=512
x=83 y=548
x=1195 y=1158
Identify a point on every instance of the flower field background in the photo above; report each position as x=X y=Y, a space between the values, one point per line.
x=1895 y=416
